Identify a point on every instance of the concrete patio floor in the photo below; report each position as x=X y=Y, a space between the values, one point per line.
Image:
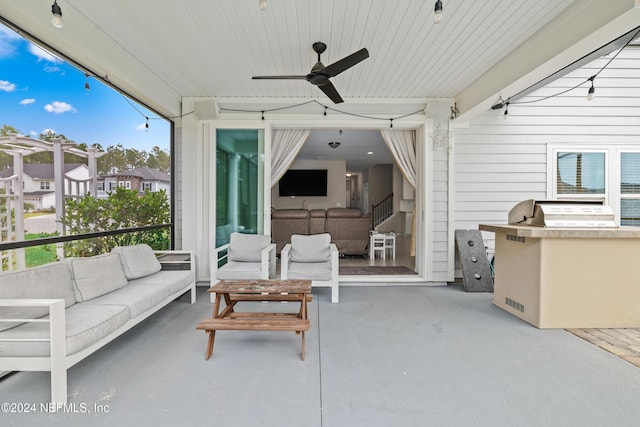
x=383 y=356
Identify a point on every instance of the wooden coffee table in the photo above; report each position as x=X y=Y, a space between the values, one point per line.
x=235 y=291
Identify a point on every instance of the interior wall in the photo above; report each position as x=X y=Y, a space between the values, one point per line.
x=380 y=183
x=336 y=188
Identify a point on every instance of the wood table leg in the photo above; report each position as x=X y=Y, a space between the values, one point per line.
x=212 y=334
x=212 y=337
x=303 y=315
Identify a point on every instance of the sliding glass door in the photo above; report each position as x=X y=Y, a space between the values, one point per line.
x=239 y=182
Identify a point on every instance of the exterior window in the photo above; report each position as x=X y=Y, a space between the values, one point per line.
x=120 y=183
x=100 y=186
x=146 y=186
x=630 y=189
x=45 y=185
x=581 y=173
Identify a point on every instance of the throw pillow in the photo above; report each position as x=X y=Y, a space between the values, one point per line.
x=97 y=275
x=310 y=248
x=137 y=260
x=247 y=247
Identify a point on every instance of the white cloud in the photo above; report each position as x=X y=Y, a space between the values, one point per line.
x=7 y=86
x=59 y=107
x=50 y=69
x=47 y=131
x=7 y=39
x=34 y=134
x=27 y=101
x=8 y=34
x=43 y=55
x=142 y=126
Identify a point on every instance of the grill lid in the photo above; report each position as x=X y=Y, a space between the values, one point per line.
x=562 y=213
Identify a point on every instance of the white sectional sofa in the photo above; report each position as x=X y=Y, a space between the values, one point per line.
x=52 y=317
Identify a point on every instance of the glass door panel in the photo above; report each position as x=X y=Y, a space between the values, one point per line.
x=239 y=182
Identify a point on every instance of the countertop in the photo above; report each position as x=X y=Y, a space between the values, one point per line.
x=546 y=232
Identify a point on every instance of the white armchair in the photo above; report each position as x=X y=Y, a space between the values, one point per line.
x=248 y=256
x=312 y=257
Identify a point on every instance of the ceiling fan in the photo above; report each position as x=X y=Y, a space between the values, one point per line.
x=320 y=74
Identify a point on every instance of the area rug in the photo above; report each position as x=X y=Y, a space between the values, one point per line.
x=372 y=270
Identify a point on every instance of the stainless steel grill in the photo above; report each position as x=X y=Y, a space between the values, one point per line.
x=562 y=214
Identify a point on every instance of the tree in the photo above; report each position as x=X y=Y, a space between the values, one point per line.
x=159 y=159
x=121 y=209
x=7 y=130
x=6 y=161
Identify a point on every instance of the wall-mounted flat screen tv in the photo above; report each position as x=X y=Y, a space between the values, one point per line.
x=303 y=182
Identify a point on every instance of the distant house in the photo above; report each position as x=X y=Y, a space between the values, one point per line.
x=39 y=185
x=140 y=179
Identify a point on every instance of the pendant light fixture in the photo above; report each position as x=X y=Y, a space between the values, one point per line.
x=437 y=16
x=56 y=11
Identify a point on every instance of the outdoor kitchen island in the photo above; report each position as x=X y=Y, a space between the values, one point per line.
x=568 y=277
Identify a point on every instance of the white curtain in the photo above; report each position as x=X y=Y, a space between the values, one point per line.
x=285 y=145
x=402 y=144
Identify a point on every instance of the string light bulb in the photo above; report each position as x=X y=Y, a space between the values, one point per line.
x=263 y=5
x=86 y=83
x=592 y=89
x=146 y=125
x=56 y=11
x=506 y=110
x=437 y=16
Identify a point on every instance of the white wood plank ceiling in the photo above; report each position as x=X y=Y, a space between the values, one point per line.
x=164 y=50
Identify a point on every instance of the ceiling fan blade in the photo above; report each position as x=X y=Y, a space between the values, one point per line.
x=279 y=77
x=345 y=63
x=330 y=90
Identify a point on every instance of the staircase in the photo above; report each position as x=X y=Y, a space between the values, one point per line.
x=381 y=211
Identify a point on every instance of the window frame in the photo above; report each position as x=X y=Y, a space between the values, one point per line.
x=620 y=195
x=613 y=155
x=553 y=178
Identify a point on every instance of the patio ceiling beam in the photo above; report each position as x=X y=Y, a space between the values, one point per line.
x=583 y=28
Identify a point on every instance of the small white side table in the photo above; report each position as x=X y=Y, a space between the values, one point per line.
x=382 y=242
x=376 y=244
x=390 y=244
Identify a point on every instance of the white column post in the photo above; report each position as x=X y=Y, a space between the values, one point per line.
x=18 y=207
x=58 y=174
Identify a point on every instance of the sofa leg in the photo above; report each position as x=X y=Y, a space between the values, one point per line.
x=334 y=293
x=58 y=351
x=59 y=386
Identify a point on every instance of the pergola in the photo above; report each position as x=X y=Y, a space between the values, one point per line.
x=12 y=188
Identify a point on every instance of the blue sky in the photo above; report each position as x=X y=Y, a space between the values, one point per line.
x=38 y=92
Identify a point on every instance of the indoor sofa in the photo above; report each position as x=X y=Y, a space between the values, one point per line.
x=53 y=316
x=348 y=227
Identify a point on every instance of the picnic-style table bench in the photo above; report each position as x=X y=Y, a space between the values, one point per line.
x=235 y=291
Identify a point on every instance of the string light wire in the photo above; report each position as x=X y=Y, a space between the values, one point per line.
x=501 y=103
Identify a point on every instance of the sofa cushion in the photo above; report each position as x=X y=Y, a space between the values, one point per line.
x=137 y=298
x=49 y=281
x=240 y=270
x=97 y=275
x=247 y=247
x=290 y=214
x=173 y=280
x=317 y=213
x=137 y=261
x=310 y=271
x=85 y=324
x=311 y=248
x=344 y=213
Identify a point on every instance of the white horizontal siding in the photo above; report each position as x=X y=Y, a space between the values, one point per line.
x=499 y=163
x=438 y=247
